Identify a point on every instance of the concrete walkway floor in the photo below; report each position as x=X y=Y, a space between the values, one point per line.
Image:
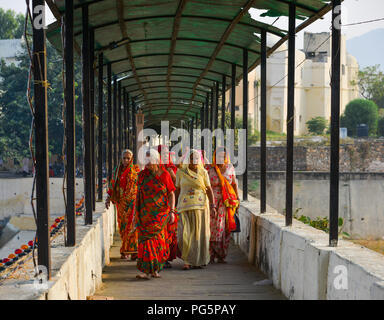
x=232 y=281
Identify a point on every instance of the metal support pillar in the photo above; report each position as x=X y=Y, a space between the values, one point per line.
x=109 y=110
x=92 y=110
x=119 y=119
x=115 y=143
x=233 y=96
x=263 y=129
x=41 y=142
x=224 y=85
x=69 y=96
x=100 y=130
x=134 y=138
x=86 y=118
x=335 y=126
x=245 y=121
x=290 y=114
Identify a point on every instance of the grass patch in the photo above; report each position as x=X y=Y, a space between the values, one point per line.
x=375 y=245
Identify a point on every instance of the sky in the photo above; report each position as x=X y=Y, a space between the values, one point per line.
x=353 y=11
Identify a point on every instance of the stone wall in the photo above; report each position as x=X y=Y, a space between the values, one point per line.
x=364 y=155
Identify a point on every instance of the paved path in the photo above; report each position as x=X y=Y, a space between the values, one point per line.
x=231 y=281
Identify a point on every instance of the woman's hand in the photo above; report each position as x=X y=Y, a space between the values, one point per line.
x=107 y=203
x=213 y=212
x=172 y=217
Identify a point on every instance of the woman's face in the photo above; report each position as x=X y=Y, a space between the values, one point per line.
x=152 y=167
x=220 y=158
x=193 y=161
x=126 y=158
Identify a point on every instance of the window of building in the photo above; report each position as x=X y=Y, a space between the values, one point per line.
x=343 y=69
x=237 y=108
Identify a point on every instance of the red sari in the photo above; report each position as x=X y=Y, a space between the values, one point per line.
x=171 y=227
x=122 y=191
x=152 y=219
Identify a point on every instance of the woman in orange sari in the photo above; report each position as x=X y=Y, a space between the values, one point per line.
x=223 y=181
x=155 y=207
x=122 y=192
x=171 y=227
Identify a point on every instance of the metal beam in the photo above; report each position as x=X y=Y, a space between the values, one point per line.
x=290 y=115
x=263 y=129
x=100 y=133
x=86 y=118
x=109 y=109
x=92 y=111
x=245 y=121
x=335 y=126
x=233 y=96
x=41 y=141
x=69 y=96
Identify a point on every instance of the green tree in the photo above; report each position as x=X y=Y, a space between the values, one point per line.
x=380 y=127
x=360 y=111
x=253 y=135
x=371 y=84
x=11 y=24
x=317 y=125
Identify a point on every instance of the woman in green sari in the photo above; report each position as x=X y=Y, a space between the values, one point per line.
x=193 y=190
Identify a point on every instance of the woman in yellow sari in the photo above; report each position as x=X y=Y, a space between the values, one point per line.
x=193 y=190
x=224 y=185
x=122 y=192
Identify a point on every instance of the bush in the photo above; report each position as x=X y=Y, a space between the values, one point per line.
x=380 y=127
x=317 y=125
x=357 y=112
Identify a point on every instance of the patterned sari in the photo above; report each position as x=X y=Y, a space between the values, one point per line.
x=122 y=191
x=152 y=219
x=171 y=227
x=226 y=202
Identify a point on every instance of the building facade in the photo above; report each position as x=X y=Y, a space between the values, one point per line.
x=312 y=85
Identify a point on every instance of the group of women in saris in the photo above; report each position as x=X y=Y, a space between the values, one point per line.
x=166 y=211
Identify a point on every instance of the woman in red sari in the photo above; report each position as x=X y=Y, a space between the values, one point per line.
x=122 y=192
x=155 y=207
x=171 y=227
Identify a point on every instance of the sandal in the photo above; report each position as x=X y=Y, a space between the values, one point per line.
x=124 y=256
x=186 y=267
x=197 y=267
x=143 y=277
x=156 y=275
x=221 y=261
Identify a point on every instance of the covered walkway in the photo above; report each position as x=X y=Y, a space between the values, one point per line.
x=236 y=280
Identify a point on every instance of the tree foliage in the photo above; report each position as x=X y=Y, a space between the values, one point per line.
x=317 y=125
x=11 y=24
x=15 y=114
x=371 y=84
x=360 y=111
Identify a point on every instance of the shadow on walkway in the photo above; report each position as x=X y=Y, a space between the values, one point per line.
x=232 y=281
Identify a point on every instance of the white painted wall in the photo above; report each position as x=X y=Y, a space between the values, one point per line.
x=15 y=195
x=300 y=263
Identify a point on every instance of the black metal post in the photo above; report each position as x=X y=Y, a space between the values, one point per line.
x=202 y=123
x=70 y=212
x=119 y=117
x=191 y=134
x=125 y=125
x=109 y=109
x=224 y=85
x=335 y=126
x=128 y=121
x=86 y=118
x=211 y=110
x=263 y=129
x=245 y=121
x=290 y=114
x=41 y=141
x=217 y=104
x=207 y=111
x=233 y=96
x=134 y=138
x=100 y=127
x=115 y=138
x=92 y=107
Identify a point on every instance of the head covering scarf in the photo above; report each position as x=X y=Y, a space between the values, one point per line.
x=229 y=196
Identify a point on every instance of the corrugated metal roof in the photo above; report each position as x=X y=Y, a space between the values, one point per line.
x=175 y=50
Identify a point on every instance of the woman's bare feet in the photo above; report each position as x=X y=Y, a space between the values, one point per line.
x=221 y=261
x=143 y=276
x=212 y=260
x=125 y=256
x=186 y=267
x=156 y=275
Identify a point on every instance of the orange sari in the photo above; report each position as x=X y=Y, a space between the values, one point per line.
x=123 y=190
x=229 y=196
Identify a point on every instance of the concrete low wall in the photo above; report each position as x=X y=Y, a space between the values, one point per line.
x=15 y=195
x=300 y=263
x=360 y=197
x=76 y=271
